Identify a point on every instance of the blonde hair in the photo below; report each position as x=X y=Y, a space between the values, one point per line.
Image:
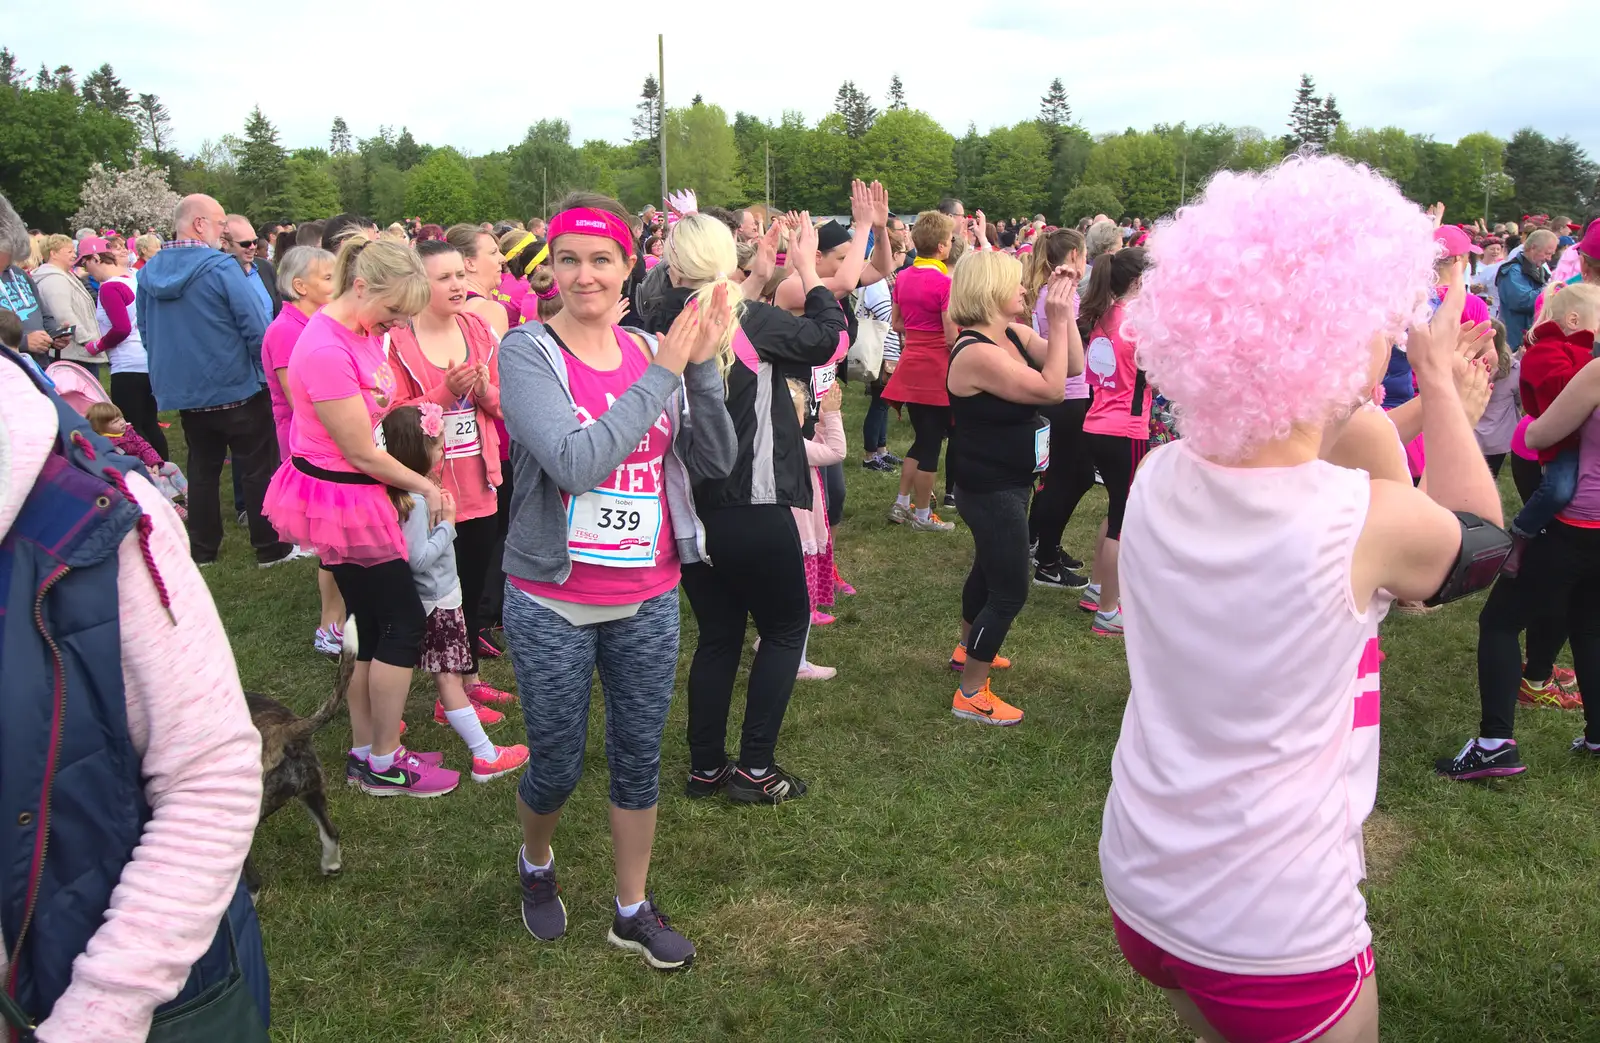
x=147 y=245
x=100 y=415
x=395 y=233
x=931 y=229
x=1581 y=298
x=539 y=282
x=981 y=285
x=392 y=272
x=51 y=244
x=700 y=251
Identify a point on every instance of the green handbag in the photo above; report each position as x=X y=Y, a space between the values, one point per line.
x=223 y=1013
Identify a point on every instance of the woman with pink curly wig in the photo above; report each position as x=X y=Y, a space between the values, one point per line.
x=1259 y=554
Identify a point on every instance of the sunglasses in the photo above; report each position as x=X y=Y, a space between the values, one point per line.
x=245 y=244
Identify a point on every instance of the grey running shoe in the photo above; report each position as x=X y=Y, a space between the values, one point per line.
x=899 y=514
x=544 y=914
x=933 y=524
x=649 y=933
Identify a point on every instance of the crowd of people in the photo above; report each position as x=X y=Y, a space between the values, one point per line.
x=522 y=439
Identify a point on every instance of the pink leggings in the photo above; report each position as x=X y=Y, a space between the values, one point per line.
x=1252 y=1008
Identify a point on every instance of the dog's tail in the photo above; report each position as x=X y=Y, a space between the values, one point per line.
x=347 y=667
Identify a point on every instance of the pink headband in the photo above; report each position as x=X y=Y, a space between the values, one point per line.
x=545 y=295
x=587 y=221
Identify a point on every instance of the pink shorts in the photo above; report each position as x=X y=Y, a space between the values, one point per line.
x=1252 y=1008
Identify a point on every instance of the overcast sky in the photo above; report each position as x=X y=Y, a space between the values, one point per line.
x=475 y=75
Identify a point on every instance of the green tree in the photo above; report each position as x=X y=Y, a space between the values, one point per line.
x=155 y=129
x=544 y=167
x=386 y=187
x=1016 y=172
x=349 y=173
x=407 y=153
x=103 y=90
x=1140 y=169
x=11 y=74
x=852 y=103
x=48 y=141
x=1253 y=150
x=647 y=123
x=969 y=154
x=441 y=189
x=1088 y=200
x=261 y=167
x=1306 y=117
x=701 y=154
x=213 y=171
x=1054 y=110
x=912 y=155
x=897 y=94
x=492 y=177
x=1389 y=150
x=339 y=137
x=310 y=191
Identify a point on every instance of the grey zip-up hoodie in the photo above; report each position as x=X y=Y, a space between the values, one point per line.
x=552 y=453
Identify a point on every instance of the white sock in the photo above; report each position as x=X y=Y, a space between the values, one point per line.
x=1492 y=744
x=383 y=763
x=465 y=722
x=529 y=867
x=903 y=500
x=756 y=773
x=362 y=752
x=628 y=910
x=923 y=513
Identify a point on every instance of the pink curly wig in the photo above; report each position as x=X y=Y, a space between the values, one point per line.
x=1262 y=299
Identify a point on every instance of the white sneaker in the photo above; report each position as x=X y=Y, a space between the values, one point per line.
x=295 y=554
x=1108 y=624
x=933 y=524
x=813 y=672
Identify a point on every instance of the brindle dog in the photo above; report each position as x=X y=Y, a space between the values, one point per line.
x=289 y=765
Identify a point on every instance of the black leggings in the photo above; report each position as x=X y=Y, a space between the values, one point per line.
x=1557 y=591
x=475 y=543
x=130 y=392
x=759 y=573
x=997 y=586
x=389 y=617
x=1527 y=475
x=494 y=585
x=930 y=426
x=1070 y=475
x=833 y=492
x=1116 y=458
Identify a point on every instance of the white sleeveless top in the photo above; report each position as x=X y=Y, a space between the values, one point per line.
x=1248 y=758
x=128 y=356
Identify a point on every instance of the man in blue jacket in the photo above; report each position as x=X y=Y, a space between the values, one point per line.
x=202 y=324
x=1520 y=281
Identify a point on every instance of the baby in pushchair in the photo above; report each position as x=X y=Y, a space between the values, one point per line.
x=107 y=420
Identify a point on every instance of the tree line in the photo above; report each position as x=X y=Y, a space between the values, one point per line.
x=54 y=126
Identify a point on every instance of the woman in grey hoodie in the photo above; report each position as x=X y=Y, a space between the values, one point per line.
x=609 y=427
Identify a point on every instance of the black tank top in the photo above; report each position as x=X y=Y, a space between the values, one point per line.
x=994 y=442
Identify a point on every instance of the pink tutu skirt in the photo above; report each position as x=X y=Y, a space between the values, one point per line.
x=344 y=524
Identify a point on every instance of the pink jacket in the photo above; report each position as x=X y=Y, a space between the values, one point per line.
x=199 y=754
x=421 y=380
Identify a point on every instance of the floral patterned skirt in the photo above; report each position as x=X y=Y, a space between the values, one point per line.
x=444 y=643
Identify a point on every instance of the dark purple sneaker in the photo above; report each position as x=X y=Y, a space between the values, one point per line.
x=1477 y=762
x=544 y=914
x=649 y=933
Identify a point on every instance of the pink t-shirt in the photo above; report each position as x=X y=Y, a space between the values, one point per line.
x=640 y=475
x=922 y=293
x=1248 y=758
x=329 y=363
x=1121 y=394
x=276 y=347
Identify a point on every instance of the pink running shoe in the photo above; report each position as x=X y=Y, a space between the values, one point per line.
x=840 y=587
x=485 y=715
x=408 y=776
x=820 y=619
x=482 y=693
x=507 y=760
x=813 y=672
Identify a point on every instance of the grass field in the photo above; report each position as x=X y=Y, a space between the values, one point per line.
x=939 y=882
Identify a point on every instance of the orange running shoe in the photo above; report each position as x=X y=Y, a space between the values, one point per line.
x=983 y=705
x=958 y=660
x=1548 y=696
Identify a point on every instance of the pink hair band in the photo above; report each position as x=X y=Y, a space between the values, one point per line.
x=588 y=221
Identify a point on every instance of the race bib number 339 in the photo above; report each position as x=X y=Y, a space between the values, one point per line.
x=614 y=528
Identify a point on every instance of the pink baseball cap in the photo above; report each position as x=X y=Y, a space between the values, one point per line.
x=1589 y=245
x=90 y=245
x=1455 y=241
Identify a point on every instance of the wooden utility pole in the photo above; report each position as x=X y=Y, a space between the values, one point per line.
x=661 y=109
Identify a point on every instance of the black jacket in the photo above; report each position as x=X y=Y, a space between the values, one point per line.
x=269 y=278
x=771 y=467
